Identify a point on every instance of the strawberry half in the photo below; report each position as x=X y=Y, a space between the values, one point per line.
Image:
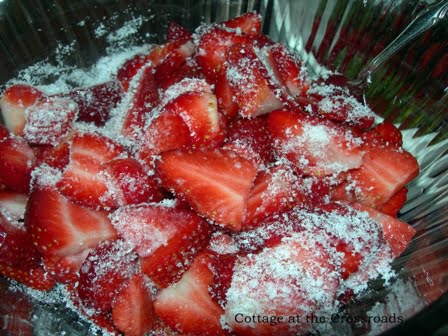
x=13 y=103
x=61 y=228
x=19 y=259
x=187 y=305
x=17 y=160
x=249 y=23
x=254 y=93
x=96 y=102
x=133 y=309
x=49 y=120
x=166 y=238
x=104 y=272
x=314 y=146
x=215 y=183
x=384 y=172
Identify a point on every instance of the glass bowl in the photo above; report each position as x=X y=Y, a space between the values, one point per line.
x=409 y=90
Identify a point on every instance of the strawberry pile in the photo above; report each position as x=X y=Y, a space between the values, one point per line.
x=207 y=186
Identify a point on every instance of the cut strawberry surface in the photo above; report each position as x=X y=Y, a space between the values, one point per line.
x=104 y=273
x=12 y=205
x=316 y=148
x=183 y=48
x=227 y=105
x=175 y=68
x=56 y=157
x=167 y=238
x=287 y=69
x=398 y=234
x=133 y=309
x=187 y=305
x=96 y=102
x=275 y=190
x=59 y=227
x=212 y=48
x=144 y=98
x=222 y=266
x=175 y=32
x=215 y=183
x=17 y=160
x=393 y=206
x=81 y=181
x=49 y=120
x=65 y=269
x=383 y=172
x=250 y=83
x=129 y=69
x=13 y=103
x=249 y=23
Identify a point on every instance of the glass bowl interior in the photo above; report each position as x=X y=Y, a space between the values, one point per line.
x=409 y=90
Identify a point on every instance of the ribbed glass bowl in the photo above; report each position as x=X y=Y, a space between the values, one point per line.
x=341 y=35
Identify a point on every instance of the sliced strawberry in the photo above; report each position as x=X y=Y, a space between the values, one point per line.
x=215 y=183
x=17 y=160
x=227 y=105
x=181 y=48
x=393 y=206
x=384 y=172
x=275 y=190
x=249 y=23
x=187 y=305
x=254 y=93
x=49 y=120
x=129 y=184
x=166 y=132
x=13 y=103
x=61 y=228
x=398 y=234
x=351 y=260
x=175 y=68
x=383 y=135
x=81 y=181
x=104 y=272
x=287 y=69
x=166 y=238
x=144 y=98
x=12 y=205
x=56 y=157
x=129 y=69
x=294 y=278
x=222 y=267
x=253 y=135
x=212 y=49
x=133 y=309
x=313 y=146
x=65 y=269
x=19 y=259
x=96 y=102
x=175 y=32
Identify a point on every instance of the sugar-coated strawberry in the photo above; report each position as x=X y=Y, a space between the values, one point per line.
x=19 y=259
x=49 y=120
x=166 y=238
x=187 y=305
x=314 y=146
x=175 y=68
x=17 y=160
x=383 y=135
x=12 y=205
x=129 y=69
x=222 y=267
x=287 y=69
x=104 y=273
x=254 y=92
x=398 y=234
x=55 y=156
x=393 y=206
x=65 y=269
x=212 y=48
x=227 y=105
x=183 y=48
x=133 y=308
x=275 y=190
x=253 y=135
x=175 y=32
x=81 y=181
x=59 y=227
x=144 y=97
x=351 y=259
x=215 y=183
x=96 y=102
x=128 y=182
x=384 y=172
x=301 y=274
x=249 y=23
x=13 y=103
